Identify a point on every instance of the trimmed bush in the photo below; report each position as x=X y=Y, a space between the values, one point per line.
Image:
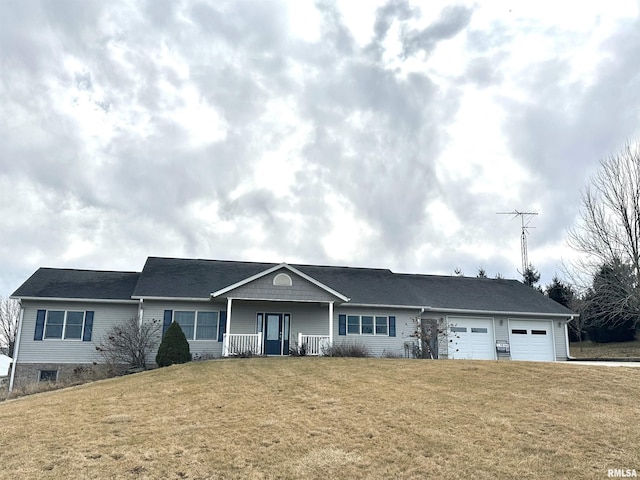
x=174 y=347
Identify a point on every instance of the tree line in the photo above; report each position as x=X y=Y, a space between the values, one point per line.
x=603 y=284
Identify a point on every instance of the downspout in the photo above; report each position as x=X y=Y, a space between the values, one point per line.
x=16 y=348
x=330 y=324
x=566 y=334
x=419 y=327
x=140 y=313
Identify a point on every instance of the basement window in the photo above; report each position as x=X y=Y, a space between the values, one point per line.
x=48 y=376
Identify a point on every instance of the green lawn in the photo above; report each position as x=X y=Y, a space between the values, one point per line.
x=605 y=350
x=327 y=418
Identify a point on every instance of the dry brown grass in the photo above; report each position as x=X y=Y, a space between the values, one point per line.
x=605 y=350
x=326 y=418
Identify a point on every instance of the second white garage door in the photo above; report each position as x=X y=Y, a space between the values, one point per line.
x=531 y=340
x=471 y=338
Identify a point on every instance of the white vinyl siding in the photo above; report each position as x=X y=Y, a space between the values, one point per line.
x=559 y=337
x=264 y=288
x=154 y=310
x=58 y=350
x=380 y=343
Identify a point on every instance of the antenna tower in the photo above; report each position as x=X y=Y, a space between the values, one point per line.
x=525 y=218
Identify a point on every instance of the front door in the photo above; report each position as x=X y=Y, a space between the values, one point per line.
x=276 y=334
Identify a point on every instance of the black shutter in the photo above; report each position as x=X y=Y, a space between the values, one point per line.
x=342 y=324
x=88 y=326
x=392 y=326
x=222 y=326
x=39 y=324
x=168 y=316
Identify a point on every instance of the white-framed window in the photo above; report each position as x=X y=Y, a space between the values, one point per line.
x=367 y=325
x=64 y=325
x=382 y=325
x=197 y=325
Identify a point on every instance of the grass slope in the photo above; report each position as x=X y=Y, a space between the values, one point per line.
x=331 y=418
x=605 y=350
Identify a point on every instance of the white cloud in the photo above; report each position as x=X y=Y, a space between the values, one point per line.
x=304 y=20
x=347 y=236
x=370 y=133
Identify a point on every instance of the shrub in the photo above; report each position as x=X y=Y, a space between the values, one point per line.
x=347 y=349
x=174 y=347
x=298 y=350
x=129 y=343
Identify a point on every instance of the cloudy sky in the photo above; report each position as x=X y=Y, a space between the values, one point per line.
x=378 y=134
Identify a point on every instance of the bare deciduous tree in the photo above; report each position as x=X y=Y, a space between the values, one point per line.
x=130 y=343
x=608 y=232
x=609 y=226
x=428 y=332
x=9 y=317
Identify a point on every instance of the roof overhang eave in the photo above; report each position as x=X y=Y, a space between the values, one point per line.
x=66 y=299
x=422 y=308
x=172 y=299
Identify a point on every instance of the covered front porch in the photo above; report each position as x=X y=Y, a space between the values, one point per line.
x=255 y=327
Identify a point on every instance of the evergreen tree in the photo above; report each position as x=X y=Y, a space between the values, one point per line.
x=560 y=292
x=174 y=347
x=531 y=276
x=609 y=306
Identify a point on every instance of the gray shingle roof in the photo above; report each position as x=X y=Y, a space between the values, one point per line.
x=68 y=283
x=196 y=278
x=383 y=287
x=192 y=278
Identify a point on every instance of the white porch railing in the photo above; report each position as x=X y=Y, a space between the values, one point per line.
x=314 y=344
x=242 y=344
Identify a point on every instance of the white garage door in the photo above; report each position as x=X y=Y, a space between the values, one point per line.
x=531 y=340
x=471 y=338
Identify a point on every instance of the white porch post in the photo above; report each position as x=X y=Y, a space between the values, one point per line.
x=228 y=328
x=330 y=323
